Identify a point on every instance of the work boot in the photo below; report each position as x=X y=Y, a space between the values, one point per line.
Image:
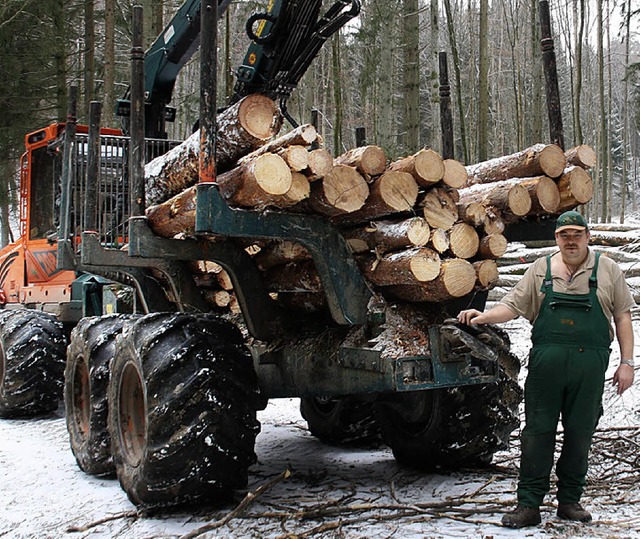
x=521 y=517
x=573 y=511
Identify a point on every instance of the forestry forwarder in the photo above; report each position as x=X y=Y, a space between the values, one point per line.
x=167 y=399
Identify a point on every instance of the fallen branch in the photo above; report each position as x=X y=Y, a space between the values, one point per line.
x=241 y=507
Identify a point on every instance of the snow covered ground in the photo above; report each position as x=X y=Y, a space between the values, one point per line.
x=332 y=492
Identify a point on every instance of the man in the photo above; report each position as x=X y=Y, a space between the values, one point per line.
x=570 y=298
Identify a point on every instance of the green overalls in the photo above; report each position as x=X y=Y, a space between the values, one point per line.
x=567 y=367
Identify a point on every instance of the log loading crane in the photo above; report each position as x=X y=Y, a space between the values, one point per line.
x=162 y=392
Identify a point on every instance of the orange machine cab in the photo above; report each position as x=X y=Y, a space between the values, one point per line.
x=28 y=267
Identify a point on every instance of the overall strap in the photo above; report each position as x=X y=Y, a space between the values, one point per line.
x=593 y=280
x=547 y=282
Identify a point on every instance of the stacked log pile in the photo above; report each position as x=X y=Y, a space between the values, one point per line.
x=422 y=229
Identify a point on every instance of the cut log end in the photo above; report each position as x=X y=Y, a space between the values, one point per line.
x=486 y=273
x=455 y=174
x=257 y=114
x=519 y=200
x=398 y=190
x=419 y=232
x=458 y=277
x=463 y=240
x=272 y=174
x=429 y=167
x=552 y=161
x=425 y=266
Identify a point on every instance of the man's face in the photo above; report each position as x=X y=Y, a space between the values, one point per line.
x=573 y=245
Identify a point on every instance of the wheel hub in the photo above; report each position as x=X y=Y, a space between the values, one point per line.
x=81 y=396
x=131 y=417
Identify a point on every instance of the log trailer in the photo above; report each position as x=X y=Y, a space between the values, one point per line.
x=163 y=392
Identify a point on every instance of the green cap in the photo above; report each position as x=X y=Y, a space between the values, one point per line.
x=571 y=219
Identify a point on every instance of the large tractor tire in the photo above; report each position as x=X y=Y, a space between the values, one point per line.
x=183 y=397
x=32 y=358
x=91 y=349
x=450 y=428
x=340 y=420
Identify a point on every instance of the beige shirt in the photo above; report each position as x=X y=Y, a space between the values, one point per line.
x=613 y=292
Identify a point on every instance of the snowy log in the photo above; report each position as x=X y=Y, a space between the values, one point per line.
x=244 y=126
x=581 y=156
x=385 y=236
x=538 y=160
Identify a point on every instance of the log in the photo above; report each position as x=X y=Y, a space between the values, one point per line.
x=256 y=183
x=343 y=190
x=457 y=278
x=508 y=196
x=463 y=240
x=174 y=216
x=293 y=277
x=440 y=207
x=576 y=187
x=538 y=160
x=224 y=280
x=439 y=240
x=393 y=192
x=455 y=173
x=472 y=213
x=303 y=135
x=296 y=156
x=242 y=127
x=385 y=236
x=300 y=190
x=492 y=246
x=217 y=298
x=544 y=193
x=281 y=252
x=425 y=166
x=320 y=164
x=368 y=160
x=487 y=274
x=493 y=222
x=581 y=156
x=409 y=267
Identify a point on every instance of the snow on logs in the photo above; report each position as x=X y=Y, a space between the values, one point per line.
x=421 y=229
x=241 y=128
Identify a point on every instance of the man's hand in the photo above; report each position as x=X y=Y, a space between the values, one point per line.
x=623 y=378
x=468 y=316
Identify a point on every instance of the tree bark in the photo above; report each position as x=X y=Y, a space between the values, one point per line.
x=457 y=278
x=508 y=196
x=538 y=160
x=303 y=135
x=241 y=128
x=385 y=236
x=409 y=267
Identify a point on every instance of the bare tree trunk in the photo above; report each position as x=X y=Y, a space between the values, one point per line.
x=434 y=64
x=577 y=123
x=604 y=153
x=89 y=53
x=60 y=57
x=109 y=61
x=483 y=83
x=411 y=74
x=337 y=94
x=625 y=142
x=456 y=69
